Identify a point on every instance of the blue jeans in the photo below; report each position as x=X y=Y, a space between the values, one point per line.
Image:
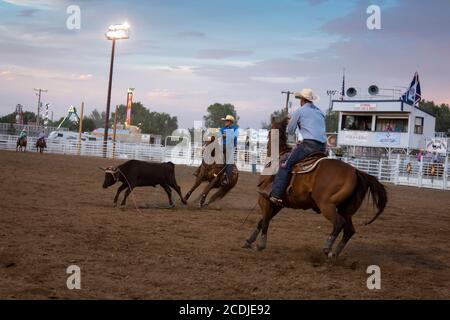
x=300 y=152
x=229 y=162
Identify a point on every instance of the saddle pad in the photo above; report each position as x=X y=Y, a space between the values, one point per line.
x=308 y=165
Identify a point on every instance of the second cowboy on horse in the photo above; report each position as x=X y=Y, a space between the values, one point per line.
x=310 y=121
x=229 y=133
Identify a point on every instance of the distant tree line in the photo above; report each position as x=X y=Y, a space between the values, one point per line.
x=441 y=112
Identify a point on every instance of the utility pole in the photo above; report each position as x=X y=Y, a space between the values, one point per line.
x=38 y=93
x=288 y=94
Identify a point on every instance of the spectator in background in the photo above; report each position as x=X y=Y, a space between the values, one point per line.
x=420 y=155
x=436 y=157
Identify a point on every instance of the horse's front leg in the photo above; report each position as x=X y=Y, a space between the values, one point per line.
x=198 y=182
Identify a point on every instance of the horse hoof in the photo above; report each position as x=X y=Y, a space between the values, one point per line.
x=247 y=245
x=260 y=248
x=332 y=257
x=122 y=207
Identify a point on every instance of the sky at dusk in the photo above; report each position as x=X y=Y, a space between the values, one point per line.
x=185 y=55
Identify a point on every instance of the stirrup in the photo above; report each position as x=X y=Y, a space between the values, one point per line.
x=276 y=201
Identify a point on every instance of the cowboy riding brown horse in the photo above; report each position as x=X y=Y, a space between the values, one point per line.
x=331 y=188
x=40 y=146
x=214 y=174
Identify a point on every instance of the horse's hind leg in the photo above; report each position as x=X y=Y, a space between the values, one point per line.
x=349 y=231
x=270 y=213
x=206 y=192
x=330 y=212
x=248 y=243
x=218 y=195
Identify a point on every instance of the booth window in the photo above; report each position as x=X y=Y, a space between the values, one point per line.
x=385 y=124
x=357 y=123
x=418 y=125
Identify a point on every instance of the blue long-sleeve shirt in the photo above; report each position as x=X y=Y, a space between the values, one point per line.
x=232 y=130
x=311 y=122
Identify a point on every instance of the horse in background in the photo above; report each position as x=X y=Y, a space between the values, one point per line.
x=40 y=146
x=22 y=144
x=334 y=189
x=214 y=174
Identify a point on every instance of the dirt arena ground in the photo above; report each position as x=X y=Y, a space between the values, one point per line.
x=54 y=213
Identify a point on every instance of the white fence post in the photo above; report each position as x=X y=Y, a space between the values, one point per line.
x=445 y=174
x=397 y=170
x=420 y=173
x=380 y=169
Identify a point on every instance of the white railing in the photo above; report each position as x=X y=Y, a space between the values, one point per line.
x=402 y=170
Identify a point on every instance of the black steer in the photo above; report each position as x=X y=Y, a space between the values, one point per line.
x=135 y=173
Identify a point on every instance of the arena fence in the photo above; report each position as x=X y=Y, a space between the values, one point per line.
x=402 y=170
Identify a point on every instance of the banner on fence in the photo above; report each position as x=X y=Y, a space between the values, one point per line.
x=437 y=145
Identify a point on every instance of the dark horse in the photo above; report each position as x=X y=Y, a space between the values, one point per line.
x=334 y=189
x=40 y=145
x=22 y=144
x=214 y=174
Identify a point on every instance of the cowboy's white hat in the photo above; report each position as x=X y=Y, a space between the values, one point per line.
x=307 y=94
x=229 y=118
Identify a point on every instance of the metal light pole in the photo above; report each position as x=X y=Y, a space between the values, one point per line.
x=115 y=32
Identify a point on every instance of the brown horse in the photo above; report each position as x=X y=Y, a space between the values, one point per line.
x=334 y=189
x=40 y=146
x=22 y=144
x=214 y=174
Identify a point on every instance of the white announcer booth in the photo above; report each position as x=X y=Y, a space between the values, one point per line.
x=389 y=124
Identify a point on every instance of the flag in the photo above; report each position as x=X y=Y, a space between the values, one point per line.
x=343 y=87
x=414 y=94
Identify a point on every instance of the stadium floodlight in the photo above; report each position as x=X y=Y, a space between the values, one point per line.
x=115 y=32
x=118 y=32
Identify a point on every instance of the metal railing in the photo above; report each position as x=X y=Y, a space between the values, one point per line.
x=403 y=170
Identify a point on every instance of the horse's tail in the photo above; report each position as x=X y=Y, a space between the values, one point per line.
x=369 y=184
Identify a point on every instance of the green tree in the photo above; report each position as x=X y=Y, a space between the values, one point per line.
x=149 y=122
x=89 y=124
x=332 y=121
x=441 y=112
x=11 y=118
x=217 y=111
x=70 y=125
x=98 y=118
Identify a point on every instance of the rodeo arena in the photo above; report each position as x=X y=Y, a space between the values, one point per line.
x=385 y=163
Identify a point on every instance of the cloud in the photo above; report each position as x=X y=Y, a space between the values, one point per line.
x=28 y=13
x=222 y=53
x=27 y=72
x=40 y=4
x=280 y=80
x=191 y=34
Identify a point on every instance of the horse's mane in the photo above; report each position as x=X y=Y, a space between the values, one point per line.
x=282 y=127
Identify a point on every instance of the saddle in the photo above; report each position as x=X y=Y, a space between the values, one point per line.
x=309 y=164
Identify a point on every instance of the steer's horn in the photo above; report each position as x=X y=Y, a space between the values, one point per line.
x=103 y=169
